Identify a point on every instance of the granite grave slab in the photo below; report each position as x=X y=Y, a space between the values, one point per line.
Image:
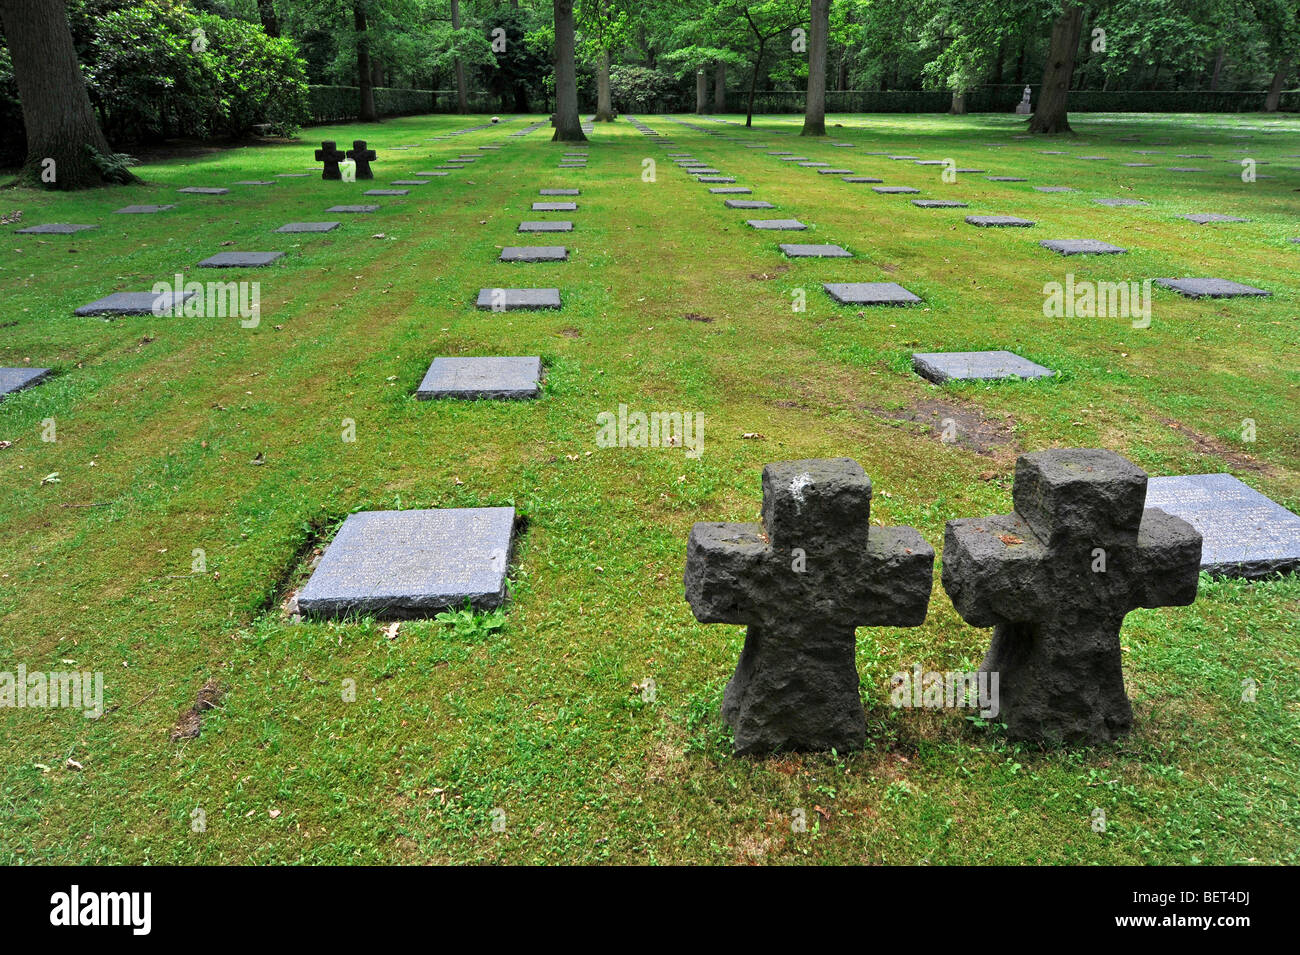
x=504 y=379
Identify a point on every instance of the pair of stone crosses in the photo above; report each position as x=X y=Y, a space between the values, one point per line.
x=331 y=156
x=1054 y=579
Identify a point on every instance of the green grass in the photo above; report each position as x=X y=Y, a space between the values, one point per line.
x=159 y=419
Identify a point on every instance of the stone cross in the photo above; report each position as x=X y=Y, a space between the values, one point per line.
x=362 y=156
x=1055 y=579
x=814 y=570
x=331 y=157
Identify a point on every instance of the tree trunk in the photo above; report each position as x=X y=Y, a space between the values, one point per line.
x=720 y=88
x=462 y=97
x=1218 y=69
x=701 y=93
x=568 y=125
x=753 y=84
x=814 y=114
x=61 y=126
x=1274 y=96
x=604 y=105
x=367 y=113
x=842 y=83
x=1052 y=116
x=270 y=23
x=958 y=107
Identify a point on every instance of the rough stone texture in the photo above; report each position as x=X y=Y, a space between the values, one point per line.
x=559 y=192
x=1208 y=217
x=16 y=379
x=240 y=260
x=796 y=251
x=518 y=298
x=975 y=366
x=869 y=293
x=801 y=582
x=939 y=204
x=203 y=191
x=1030 y=575
x=142 y=210
x=55 y=228
x=1210 y=288
x=894 y=190
x=789 y=225
x=1246 y=534
x=999 y=222
x=545 y=227
x=1120 y=202
x=1081 y=247
x=747 y=204
x=534 y=253
x=134 y=303
x=410 y=564
x=309 y=227
x=353 y=209
x=482 y=377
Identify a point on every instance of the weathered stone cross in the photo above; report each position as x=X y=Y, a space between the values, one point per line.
x=1055 y=580
x=331 y=157
x=802 y=581
x=362 y=156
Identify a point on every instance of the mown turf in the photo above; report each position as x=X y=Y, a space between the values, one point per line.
x=670 y=304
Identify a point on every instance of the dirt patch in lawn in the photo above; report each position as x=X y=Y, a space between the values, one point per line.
x=963 y=426
x=1208 y=444
x=191 y=722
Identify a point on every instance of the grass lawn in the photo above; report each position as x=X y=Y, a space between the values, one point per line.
x=670 y=304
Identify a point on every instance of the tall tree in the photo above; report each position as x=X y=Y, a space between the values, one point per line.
x=701 y=92
x=819 y=28
x=63 y=137
x=568 y=125
x=1051 y=115
x=462 y=96
x=720 y=87
x=605 y=25
x=367 y=112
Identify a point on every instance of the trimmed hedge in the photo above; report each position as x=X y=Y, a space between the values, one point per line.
x=339 y=104
x=1003 y=99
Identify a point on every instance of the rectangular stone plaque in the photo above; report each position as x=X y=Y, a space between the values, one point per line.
x=510 y=299
x=1245 y=533
x=482 y=377
x=870 y=293
x=545 y=227
x=55 y=228
x=410 y=564
x=240 y=260
x=534 y=253
x=135 y=303
x=975 y=366
x=308 y=227
x=16 y=379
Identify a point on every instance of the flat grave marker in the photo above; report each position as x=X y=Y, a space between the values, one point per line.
x=356 y=209
x=999 y=222
x=16 y=379
x=409 y=564
x=894 y=190
x=501 y=379
x=534 y=253
x=777 y=225
x=142 y=210
x=514 y=299
x=796 y=251
x=240 y=260
x=1246 y=534
x=1204 y=218
x=54 y=228
x=1211 y=288
x=135 y=303
x=309 y=227
x=1081 y=247
x=204 y=191
x=941 y=367
x=545 y=227
x=869 y=293
x=747 y=204
x=939 y=204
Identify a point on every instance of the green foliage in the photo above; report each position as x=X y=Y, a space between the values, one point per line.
x=636 y=89
x=470 y=627
x=332 y=104
x=114 y=167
